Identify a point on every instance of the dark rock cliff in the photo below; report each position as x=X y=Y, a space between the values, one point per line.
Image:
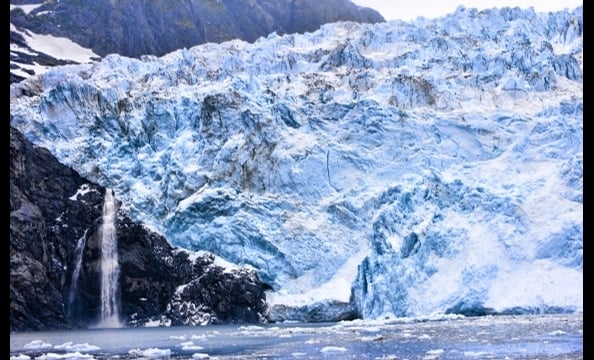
x=53 y=209
x=156 y=27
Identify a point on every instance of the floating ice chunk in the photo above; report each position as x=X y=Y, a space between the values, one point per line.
x=372 y=329
x=433 y=354
x=20 y=357
x=557 y=332
x=330 y=349
x=69 y=346
x=69 y=356
x=200 y=356
x=151 y=353
x=476 y=353
x=37 y=345
x=251 y=328
x=192 y=347
x=178 y=337
x=155 y=353
x=373 y=338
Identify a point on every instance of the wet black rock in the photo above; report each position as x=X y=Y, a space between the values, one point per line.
x=218 y=296
x=41 y=243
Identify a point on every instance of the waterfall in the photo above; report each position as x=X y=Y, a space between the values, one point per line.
x=80 y=248
x=110 y=270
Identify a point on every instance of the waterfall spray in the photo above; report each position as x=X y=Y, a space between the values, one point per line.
x=110 y=270
x=80 y=248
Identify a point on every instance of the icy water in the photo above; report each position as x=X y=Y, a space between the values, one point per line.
x=490 y=337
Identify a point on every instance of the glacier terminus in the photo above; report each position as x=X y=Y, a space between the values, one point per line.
x=397 y=169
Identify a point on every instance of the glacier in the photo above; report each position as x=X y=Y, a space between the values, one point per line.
x=399 y=169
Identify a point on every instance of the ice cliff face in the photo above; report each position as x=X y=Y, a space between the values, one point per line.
x=433 y=166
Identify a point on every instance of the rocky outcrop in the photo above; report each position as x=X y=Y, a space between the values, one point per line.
x=217 y=296
x=53 y=210
x=40 y=246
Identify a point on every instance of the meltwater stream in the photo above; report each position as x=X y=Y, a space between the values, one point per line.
x=110 y=271
x=80 y=248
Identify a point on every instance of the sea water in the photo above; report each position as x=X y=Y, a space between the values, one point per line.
x=489 y=337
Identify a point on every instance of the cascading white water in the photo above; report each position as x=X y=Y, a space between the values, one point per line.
x=80 y=248
x=110 y=270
